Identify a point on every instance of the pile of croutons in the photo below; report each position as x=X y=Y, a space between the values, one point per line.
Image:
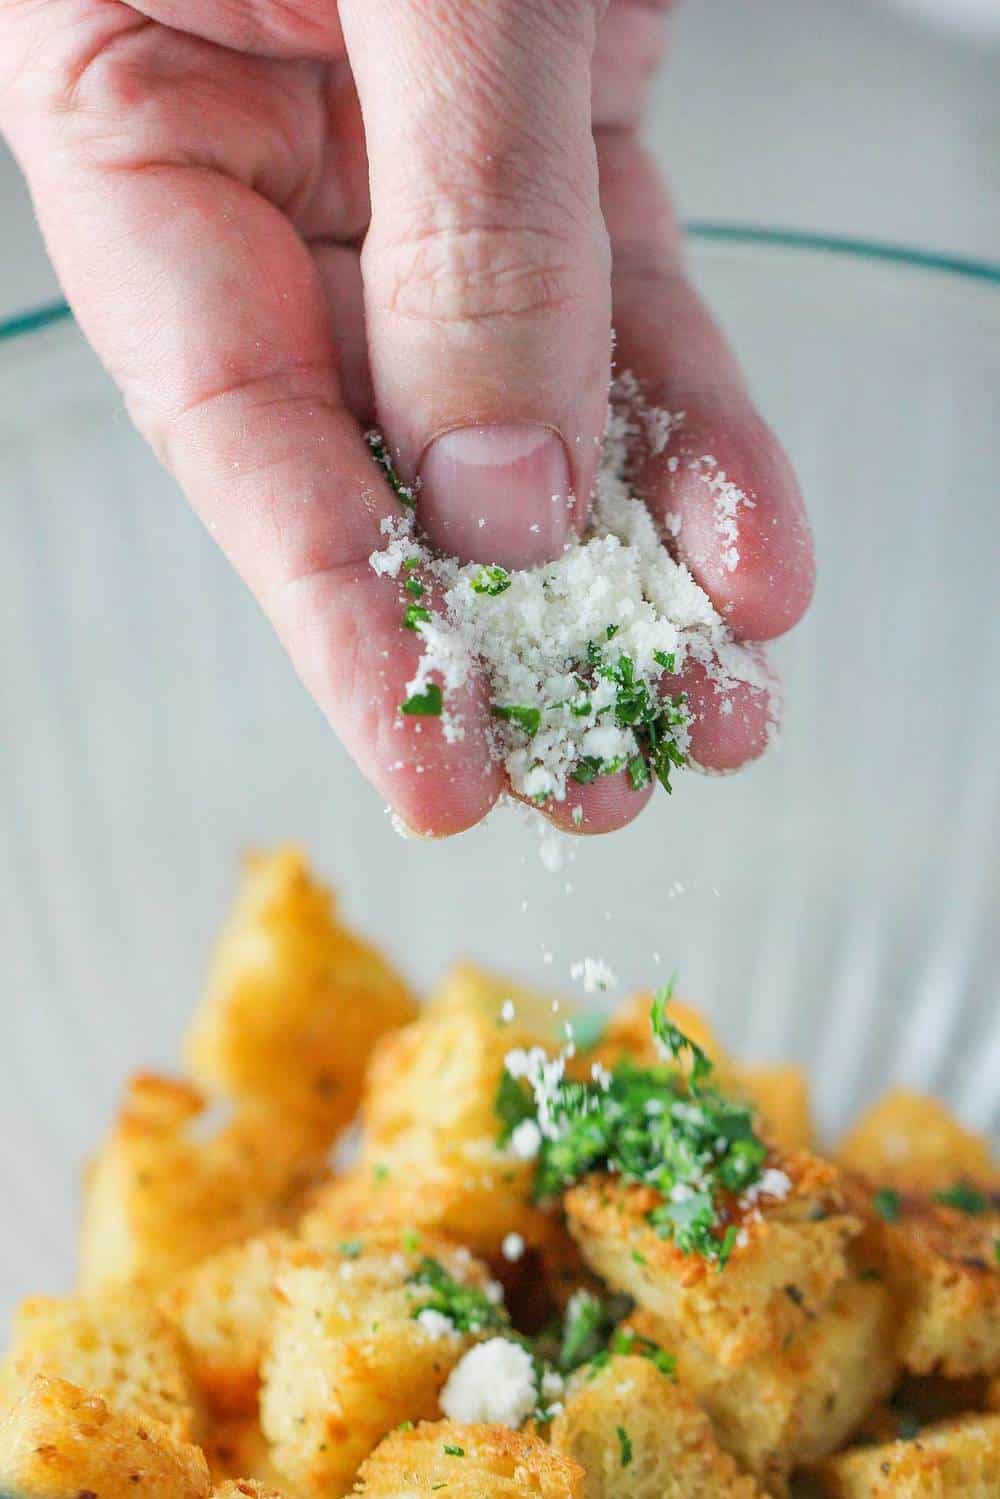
x=275 y=1302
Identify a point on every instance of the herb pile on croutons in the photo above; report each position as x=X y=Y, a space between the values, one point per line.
x=551 y=1270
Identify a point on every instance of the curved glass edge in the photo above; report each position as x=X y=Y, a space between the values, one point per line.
x=36 y=318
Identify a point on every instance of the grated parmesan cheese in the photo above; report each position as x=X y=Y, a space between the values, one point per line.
x=595 y=974
x=494 y=1384
x=549 y=638
x=513 y=1247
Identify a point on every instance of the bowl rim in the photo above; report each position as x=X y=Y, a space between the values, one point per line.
x=720 y=231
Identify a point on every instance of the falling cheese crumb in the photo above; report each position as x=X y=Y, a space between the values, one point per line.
x=493 y=1384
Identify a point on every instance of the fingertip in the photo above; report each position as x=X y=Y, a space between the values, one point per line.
x=731 y=723
x=604 y=805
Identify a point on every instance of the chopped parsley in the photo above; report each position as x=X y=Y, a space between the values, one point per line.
x=467 y=1308
x=424 y=704
x=414 y=587
x=656 y=723
x=629 y=1344
x=405 y=1426
x=410 y=1240
x=413 y=617
x=587 y=1326
x=964 y=1198
x=653 y=1126
x=491 y=581
x=452 y=1451
x=529 y=719
x=380 y=1173
x=403 y=492
x=886 y=1202
x=625 y=1445
x=351 y=1248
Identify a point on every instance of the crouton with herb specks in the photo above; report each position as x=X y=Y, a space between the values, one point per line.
x=115 y=1345
x=467 y=1462
x=295 y=1002
x=61 y=1442
x=788 y=1259
x=912 y=1143
x=957 y=1459
x=362 y=1340
x=160 y=1196
x=800 y=1402
x=637 y=1434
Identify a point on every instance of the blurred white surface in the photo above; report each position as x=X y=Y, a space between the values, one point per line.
x=837 y=902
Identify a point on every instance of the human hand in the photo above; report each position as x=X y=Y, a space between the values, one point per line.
x=201 y=173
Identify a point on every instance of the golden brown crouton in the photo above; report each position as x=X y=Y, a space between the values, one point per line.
x=468 y=989
x=788 y=1260
x=351 y=1357
x=796 y=1403
x=957 y=1459
x=238 y=1449
x=638 y=1435
x=941 y=1266
x=224 y=1308
x=60 y=1442
x=468 y=1462
x=159 y=1196
x=779 y=1096
x=628 y=1036
x=295 y=1002
x=114 y=1345
x=913 y=1143
x=245 y=1488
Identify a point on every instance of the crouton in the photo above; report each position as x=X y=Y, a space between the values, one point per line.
x=238 y=1449
x=352 y=1355
x=638 y=1435
x=779 y=1095
x=789 y=1258
x=628 y=1036
x=958 y=1459
x=245 y=1488
x=61 y=1442
x=224 y=1307
x=468 y=989
x=159 y=1196
x=799 y=1402
x=114 y=1345
x=468 y=1462
x=940 y=1264
x=914 y=1144
x=295 y=1002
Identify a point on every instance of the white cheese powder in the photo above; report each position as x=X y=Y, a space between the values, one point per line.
x=617 y=588
x=494 y=1384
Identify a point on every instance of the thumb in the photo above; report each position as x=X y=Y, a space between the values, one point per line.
x=486 y=266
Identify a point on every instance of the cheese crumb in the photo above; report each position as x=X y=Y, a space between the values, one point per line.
x=595 y=974
x=494 y=1384
x=435 y=1324
x=513 y=1247
x=526 y=1140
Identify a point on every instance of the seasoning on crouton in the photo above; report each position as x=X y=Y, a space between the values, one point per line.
x=637 y=1434
x=799 y=1402
x=779 y=1096
x=957 y=1459
x=115 y=1345
x=61 y=1442
x=362 y=1340
x=468 y=1462
x=224 y=1307
x=158 y=1197
x=789 y=1256
x=295 y=1001
x=912 y=1143
x=940 y=1262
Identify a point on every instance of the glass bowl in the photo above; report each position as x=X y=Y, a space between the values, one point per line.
x=836 y=904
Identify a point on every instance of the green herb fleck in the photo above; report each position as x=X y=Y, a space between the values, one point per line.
x=625 y=1445
x=351 y=1248
x=405 y=1426
x=963 y=1197
x=908 y=1426
x=491 y=581
x=673 y=1039
x=424 y=704
x=666 y=659
x=886 y=1202
x=380 y=1173
x=451 y=1451
x=638 y=773
x=380 y=453
x=529 y=719
x=410 y=1240
x=414 y=586
x=414 y=616
x=467 y=1308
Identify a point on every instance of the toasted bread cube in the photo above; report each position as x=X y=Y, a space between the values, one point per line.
x=224 y=1307
x=779 y=1095
x=941 y=1266
x=468 y=1462
x=114 y=1345
x=158 y=1198
x=800 y=1402
x=60 y=1442
x=350 y=1357
x=245 y=1488
x=628 y=1036
x=957 y=1459
x=912 y=1143
x=637 y=1434
x=467 y=989
x=789 y=1259
x=295 y=1001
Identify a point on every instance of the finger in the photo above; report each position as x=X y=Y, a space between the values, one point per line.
x=208 y=309
x=631 y=42
x=486 y=269
x=723 y=493
x=339 y=269
x=295 y=28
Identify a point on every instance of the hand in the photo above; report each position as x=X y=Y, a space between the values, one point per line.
x=205 y=171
